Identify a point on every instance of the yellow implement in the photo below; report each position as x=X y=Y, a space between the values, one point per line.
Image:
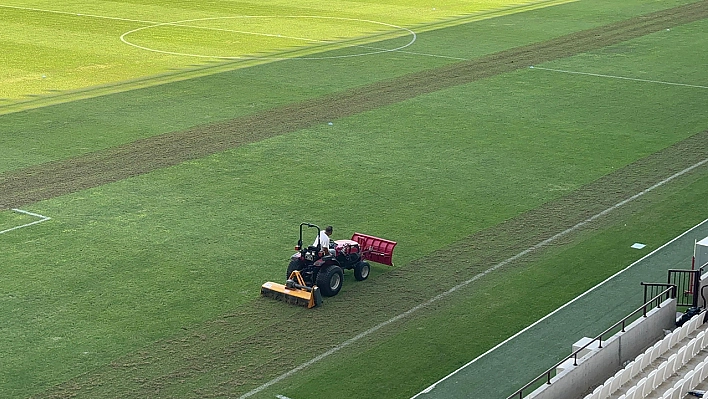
x=295 y=291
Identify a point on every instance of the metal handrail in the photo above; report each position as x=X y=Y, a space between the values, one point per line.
x=670 y=292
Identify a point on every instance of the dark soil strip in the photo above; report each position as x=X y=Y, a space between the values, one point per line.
x=21 y=187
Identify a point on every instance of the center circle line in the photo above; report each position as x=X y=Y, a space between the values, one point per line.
x=183 y=23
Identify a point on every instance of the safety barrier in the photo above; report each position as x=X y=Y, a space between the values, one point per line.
x=598 y=341
x=656 y=377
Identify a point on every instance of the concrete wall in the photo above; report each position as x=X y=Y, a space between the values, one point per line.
x=598 y=365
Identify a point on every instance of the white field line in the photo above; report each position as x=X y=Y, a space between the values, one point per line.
x=464 y=284
x=41 y=219
x=182 y=24
x=619 y=77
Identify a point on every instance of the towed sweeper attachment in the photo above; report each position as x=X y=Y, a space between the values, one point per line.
x=295 y=291
x=379 y=250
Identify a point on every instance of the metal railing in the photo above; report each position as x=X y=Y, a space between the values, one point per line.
x=653 y=290
x=654 y=302
x=688 y=283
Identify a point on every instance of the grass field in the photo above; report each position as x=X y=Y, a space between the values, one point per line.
x=177 y=162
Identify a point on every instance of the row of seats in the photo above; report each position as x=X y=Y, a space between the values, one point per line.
x=666 y=369
x=687 y=383
x=657 y=376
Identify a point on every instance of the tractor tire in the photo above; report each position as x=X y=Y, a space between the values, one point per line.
x=361 y=271
x=294 y=265
x=330 y=280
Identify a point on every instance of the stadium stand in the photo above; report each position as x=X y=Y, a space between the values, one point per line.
x=662 y=354
x=668 y=368
x=664 y=371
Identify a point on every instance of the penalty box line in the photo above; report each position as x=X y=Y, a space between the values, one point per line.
x=42 y=218
x=464 y=284
x=599 y=75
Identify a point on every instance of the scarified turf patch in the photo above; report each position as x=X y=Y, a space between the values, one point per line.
x=248 y=348
x=26 y=186
x=245 y=349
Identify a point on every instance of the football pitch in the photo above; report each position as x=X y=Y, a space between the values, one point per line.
x=156 y=159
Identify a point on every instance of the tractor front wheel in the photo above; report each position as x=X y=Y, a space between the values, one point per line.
x=361 y=271
x=330 y=280
x=294 y=265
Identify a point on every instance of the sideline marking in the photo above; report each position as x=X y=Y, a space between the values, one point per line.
x=41 y=219
x=466 y=283
x=619 y=77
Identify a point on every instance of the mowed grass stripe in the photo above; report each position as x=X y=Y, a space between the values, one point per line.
x=26 y=186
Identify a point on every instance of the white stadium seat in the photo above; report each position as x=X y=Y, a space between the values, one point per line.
x=690 y=349
x=617 y=381
x=646 y=360
x=640 y=388
x=655 y=351
x=683 y=331
x=704 y=372
x=677 y=389
x=630 y=392
x=661 y=373
x=627 y=374
x=665 y=344
x=687 y=382
x=674 y=338
x=636 y=367
x=605 y=392
x=651 y=383
x=700 y=344
x=671 y=366
x=680 y=356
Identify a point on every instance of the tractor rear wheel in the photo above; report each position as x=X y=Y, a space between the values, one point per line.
x=361 y=271
x=330 y=280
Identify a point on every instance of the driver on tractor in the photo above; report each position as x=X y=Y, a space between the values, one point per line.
x=323 y=239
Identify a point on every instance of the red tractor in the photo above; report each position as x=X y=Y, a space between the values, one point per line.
x=312 y=271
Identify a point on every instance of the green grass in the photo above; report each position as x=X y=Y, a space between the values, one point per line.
x=50 y=47
x=489 y=311
x=124 y=265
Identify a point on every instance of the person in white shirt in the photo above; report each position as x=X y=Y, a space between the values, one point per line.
x=323 y=240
